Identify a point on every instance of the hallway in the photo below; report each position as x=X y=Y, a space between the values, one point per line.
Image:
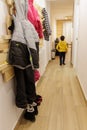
x=63 y=106
x=64 y=89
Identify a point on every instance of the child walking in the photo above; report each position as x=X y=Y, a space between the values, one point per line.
x=62 y=48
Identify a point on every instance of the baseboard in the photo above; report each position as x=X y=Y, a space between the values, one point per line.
x=81 y=90
x=19 y=122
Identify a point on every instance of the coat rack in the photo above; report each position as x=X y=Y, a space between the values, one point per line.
x=5 y=69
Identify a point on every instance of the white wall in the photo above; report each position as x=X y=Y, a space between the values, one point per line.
x=45 y=50
x=9 y=113
x=75 y=35
x=41 y=3
x=45 y=56
x=82 y=47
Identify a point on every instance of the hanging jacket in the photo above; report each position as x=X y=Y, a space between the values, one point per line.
x=24 y=34
x=34 y=18
x=46 y=25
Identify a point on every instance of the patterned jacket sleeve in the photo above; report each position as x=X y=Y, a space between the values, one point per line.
x=46 y=25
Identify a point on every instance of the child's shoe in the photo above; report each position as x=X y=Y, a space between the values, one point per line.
x=38 y=100
x=29 y=113
x=39 y=97
x=34 y=104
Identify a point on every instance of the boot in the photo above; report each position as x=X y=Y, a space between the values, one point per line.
x=34 y=104
x=38 y=100
x=29 y=113
x=39 y=97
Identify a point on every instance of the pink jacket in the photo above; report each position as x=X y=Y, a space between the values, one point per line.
x=34 y=18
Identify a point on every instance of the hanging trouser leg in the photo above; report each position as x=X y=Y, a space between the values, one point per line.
x=30 y=85
x=21 y=99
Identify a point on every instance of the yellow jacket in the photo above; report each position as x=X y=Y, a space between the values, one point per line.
x=62 y=46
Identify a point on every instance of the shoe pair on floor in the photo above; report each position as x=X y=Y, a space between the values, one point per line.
x=31 y=111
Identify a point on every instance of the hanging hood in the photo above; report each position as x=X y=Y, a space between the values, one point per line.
x=23 y=27
x=21 y=9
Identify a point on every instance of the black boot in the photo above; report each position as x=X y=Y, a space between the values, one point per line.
x=38 y=97
x=38 y=100
x=29 y=113
x=34 y=104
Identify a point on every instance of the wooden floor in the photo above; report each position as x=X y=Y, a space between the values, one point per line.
x=64 y=106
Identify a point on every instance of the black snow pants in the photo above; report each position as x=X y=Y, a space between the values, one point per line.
x=25 y=89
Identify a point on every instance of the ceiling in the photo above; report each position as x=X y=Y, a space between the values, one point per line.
x=61 y=5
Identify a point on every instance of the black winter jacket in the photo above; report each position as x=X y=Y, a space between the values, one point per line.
x=20 y=57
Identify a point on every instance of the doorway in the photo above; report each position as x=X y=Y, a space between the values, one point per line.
x=64 y=27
